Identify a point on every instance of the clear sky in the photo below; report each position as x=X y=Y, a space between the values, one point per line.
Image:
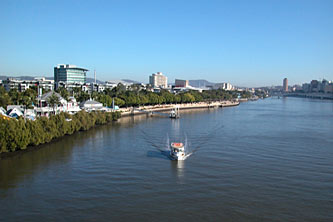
x=246 y=43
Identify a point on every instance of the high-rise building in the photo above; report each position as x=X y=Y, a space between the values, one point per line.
x=158 y=80
x=285 y=85
x=225 y=86
x=181 y=83
x=69 y=74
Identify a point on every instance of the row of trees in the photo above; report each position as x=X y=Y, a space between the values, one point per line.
x=136 y=97
x=123 y=97
x=17 y=134
x=13 y=97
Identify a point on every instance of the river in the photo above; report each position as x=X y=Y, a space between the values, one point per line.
x=268 y=160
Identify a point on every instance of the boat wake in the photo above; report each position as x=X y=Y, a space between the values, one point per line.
x=164 y=148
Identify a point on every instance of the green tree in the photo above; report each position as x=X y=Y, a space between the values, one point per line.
x=119 y=102
x=5 y=99
x=36 y=132
x=177 y=99
x=63 y=92
x=3 y=134
x=53 y=101
x=153 y=98
x=187 y=98
x=15 y=96
x=82 y=96
x=143 y=99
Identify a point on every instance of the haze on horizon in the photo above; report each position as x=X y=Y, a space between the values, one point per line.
x=246 y=43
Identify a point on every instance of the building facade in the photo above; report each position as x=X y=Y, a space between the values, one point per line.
x=224 y=86
x=158 y=80
x=69 y=74
x=181 y=83
x=285 y=85
x=22 y=85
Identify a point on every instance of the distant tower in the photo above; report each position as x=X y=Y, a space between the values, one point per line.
x=285 y=85
x=158 y=80
x=95 y=75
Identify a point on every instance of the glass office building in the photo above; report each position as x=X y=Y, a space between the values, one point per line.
x=69 y=74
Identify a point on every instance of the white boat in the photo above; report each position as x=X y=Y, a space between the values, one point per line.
x=177 y=151
x=174 y=114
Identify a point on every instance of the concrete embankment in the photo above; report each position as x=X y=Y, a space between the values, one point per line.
x=310 y=95
x=168 y=107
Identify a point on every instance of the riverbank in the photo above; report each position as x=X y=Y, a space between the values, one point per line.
x=168 y=107
x=20 y=134
x=310 y=95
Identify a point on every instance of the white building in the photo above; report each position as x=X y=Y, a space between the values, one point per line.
x=15 y=112
x=44 y=108
x=225 y=86
x=22 y=85
x=90 y=105
x=158 y=80
x=72 y=105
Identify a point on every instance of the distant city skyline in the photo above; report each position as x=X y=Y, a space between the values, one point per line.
x=245 y=43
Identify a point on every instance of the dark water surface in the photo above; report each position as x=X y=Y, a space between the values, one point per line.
x=270 y=160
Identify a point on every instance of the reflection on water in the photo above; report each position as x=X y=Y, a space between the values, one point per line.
x=175 y=124
x=178 y=168
x=32 y=161
x=247 y=166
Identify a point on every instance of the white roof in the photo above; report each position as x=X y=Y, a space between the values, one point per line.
x=91 y=102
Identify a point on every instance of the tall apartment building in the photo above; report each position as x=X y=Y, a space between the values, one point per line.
x=285 y=85
x=225 y=86
x=69 y=74
x=158 y=80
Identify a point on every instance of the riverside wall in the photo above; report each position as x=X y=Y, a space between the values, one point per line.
x=310 y=95
x=169 y=107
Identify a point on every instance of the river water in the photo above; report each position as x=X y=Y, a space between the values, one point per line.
x=269 y=160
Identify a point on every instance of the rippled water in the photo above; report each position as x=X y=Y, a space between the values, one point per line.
x=270 y=160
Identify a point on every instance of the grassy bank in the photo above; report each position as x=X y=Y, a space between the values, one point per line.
x=18 y=134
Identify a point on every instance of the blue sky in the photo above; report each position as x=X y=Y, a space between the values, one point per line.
x=246 y=43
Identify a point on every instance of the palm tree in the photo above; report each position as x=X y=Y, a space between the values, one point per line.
x=54 y=101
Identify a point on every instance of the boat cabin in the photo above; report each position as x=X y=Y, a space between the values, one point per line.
x=177 y=147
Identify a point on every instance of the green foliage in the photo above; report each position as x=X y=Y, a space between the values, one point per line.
x=136 y=97
x=26 y=98
x=3 y=134
x=119 y=102
x=17 y=134
x=63 y=92
x=187 y=98
x=122 y=97
x=5 y=99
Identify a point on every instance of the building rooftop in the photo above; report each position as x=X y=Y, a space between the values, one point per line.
x=48 y=94
x=69 y=66
x=90 y=102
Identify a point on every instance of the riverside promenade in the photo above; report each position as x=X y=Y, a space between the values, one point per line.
x=167 y=107
x=311 y=95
